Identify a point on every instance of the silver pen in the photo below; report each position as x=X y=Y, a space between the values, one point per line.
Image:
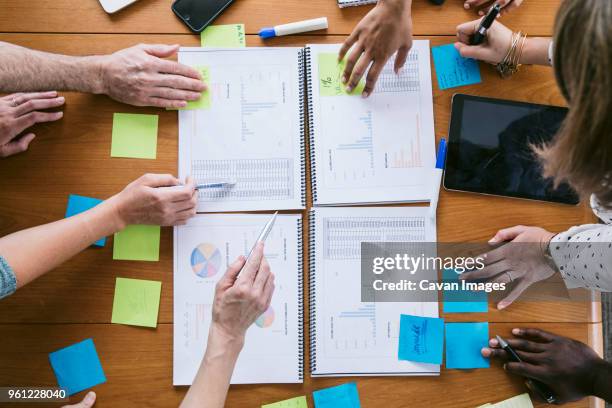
x=263 y=235
x=216 y=184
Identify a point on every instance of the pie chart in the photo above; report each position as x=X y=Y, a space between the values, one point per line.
x=206 y=260
x=266 y=319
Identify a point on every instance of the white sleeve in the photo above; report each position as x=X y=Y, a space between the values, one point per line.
x=583 y=254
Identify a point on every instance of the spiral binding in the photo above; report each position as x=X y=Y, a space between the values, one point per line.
x=311 y=143
x=300 y=302
x=311 y=291
x=302 y=95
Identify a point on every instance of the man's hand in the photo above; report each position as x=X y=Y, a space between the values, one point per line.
x=483 y=6
x=571 y=369
x=521 y=262
x=140 y=76
x=386 y=29
x=21 y=111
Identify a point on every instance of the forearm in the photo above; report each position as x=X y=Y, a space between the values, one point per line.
x=401 y=5
x=35 y=251
x=209 y=388
x=603 y=381
x=535 y=51
x=25 y=70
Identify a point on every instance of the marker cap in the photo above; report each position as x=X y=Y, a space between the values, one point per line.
x=267 y=32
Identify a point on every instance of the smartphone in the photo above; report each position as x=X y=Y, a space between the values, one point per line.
x=198 y=14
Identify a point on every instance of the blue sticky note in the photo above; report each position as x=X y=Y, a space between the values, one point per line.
x=421 y=339
x=462 y=301
x=77 y=367
x=78 y=204
x=452 y=69
x=463 y=344
x=340 y=396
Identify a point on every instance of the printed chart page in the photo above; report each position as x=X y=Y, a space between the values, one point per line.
x=379 y=149
x=354 y=337
x=248 y=128
x=203 y=249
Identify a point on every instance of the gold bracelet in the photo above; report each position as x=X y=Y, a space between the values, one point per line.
x=511 y=61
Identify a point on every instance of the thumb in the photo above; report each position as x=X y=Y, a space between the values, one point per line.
x=400 y=58
x=465 y=30
x=470 y=51
x=233 y=270
x=159 y=180
x=17 y=145
x=507 y=234
x=88 y=401
x=161 y=50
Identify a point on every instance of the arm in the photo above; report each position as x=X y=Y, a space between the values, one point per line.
x=239 y=300
x=138 y=75
x=141 y=202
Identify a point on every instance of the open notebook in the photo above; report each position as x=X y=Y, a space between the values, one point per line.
x=379 y=149
x=248 y=127
x=347 y=336
x=202 y=251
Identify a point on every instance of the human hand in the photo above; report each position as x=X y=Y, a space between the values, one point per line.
x=571 y=369
x=156 y=199
x=239 y=300
x=139 y=76
x=483 y=6
x=386 y=29
x=20 y=111
x=521 y=263
x=88 y=401
x=493 y=49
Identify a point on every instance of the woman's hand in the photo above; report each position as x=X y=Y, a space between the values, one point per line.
x=484 y=6
x=522 y=262
x=239 y=300
x=571 y=369
x=87 y=402
x=21 y=111
x=492 y=50
x=386 y=29
x=156 y=199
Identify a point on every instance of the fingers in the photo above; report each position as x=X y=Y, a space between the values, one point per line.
x=88 y=401
x=358 y=71
x=252 y=265
x=175 y=68
x=372 y=77
x=175 y=94
x=516 y=291
x=160 y=50
x=347 y=45
x=20 y=98
x=159 y=180
x=164 y=103
x=233 y=270
x=268 y=291
x=538 y=335
x=17 y=146
x=38 y=104
x=350 y=63
x=521 y=345
x=468 y=4
x=30 y=119
x=477 y=52
x=262 y=276
x=488 y=272
x=400 y=58
x=525 y=370
x=466 y=30
x=508 y=234
x=180 y=82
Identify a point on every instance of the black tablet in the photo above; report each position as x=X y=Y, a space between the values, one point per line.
x=489 y=150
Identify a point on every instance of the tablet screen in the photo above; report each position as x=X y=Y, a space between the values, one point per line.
x=490 y=148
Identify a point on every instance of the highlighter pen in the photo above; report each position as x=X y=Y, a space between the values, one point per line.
x=437 y=179
x=263 y=235
x=294 y=28
x=534 y=385
x=480 y=34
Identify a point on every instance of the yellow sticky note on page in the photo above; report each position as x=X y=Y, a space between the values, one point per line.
x=136 y=302
x=137 y=243
x=134 y=136
x=520 y=401
x=330 y=76
x=297 y=402
x=224 y=36
x=205 y=101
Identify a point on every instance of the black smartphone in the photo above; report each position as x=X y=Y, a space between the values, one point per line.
x=198 y=14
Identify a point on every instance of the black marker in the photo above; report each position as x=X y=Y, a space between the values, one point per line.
x=536 y=386
x=485 y=24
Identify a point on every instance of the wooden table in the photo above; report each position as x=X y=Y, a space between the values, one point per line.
x=74 y=302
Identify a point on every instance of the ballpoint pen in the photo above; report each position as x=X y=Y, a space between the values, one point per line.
x=536 y=386
x=263 y=235
x=216 y=184
x=480 y=34
x=437 y=179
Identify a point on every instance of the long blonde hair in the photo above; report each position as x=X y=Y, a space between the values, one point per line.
x=581 y=153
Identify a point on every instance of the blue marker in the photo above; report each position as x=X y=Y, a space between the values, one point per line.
x=437 y=179
x=294 y=28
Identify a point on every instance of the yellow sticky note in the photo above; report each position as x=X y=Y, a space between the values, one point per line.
x=136 y=302
x=204 y=101
x=330 y=76
x=134 y=136
x=520 y=401
x=297 y=402
x=137 y=243
x=224 y=36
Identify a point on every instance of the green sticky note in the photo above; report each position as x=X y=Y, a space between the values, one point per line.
x=136 y=302
x=297 y=402
x=204 y=101
x=224 y=36
x=134 y=136
x=137 y=243
x=330 y=77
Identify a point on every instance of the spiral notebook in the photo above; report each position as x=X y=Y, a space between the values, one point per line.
x=273 y=350
x=382 y=146
x=349 y=337
x=350 y=3
x=248 y=128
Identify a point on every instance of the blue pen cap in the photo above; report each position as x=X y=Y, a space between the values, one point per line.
x=267 y=32
x=441 y=158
